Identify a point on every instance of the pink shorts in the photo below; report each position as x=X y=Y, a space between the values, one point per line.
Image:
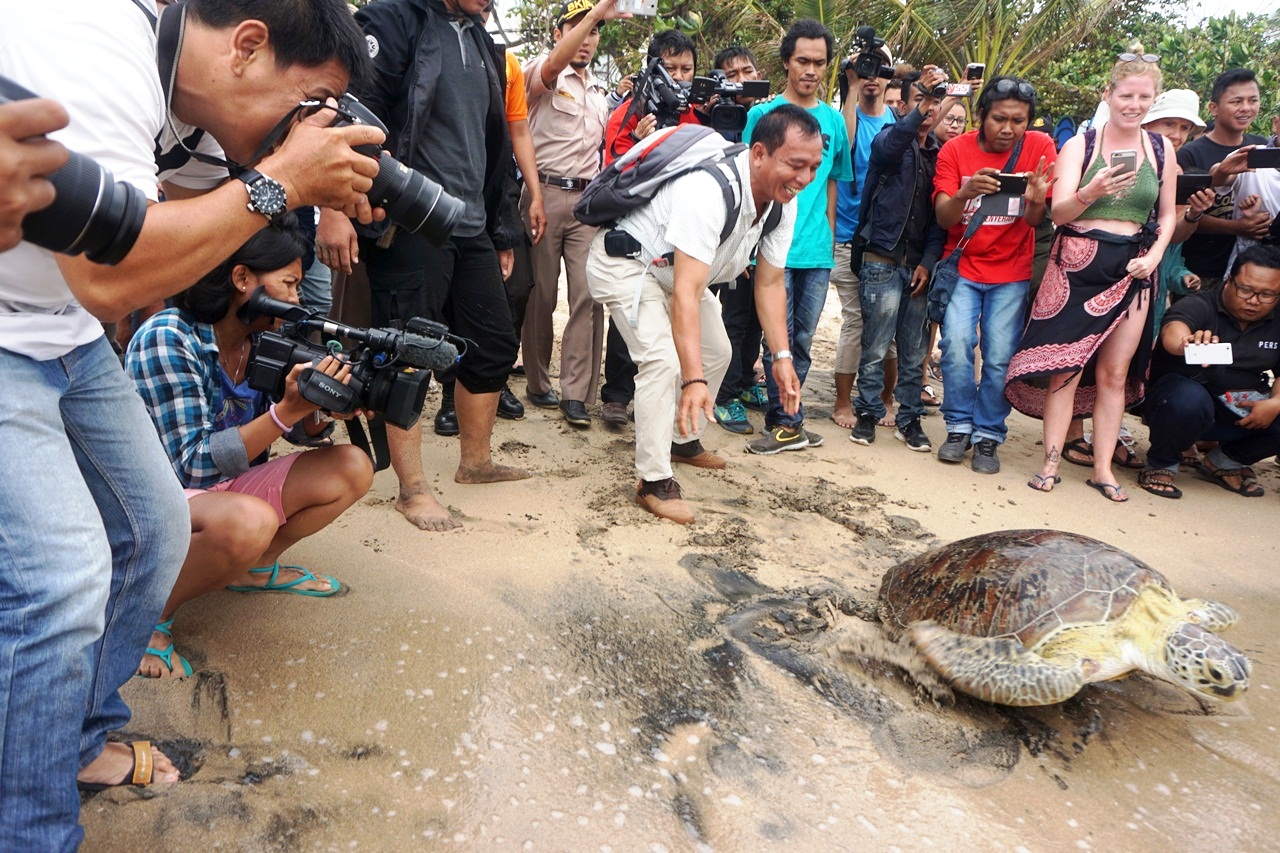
x=264 y=481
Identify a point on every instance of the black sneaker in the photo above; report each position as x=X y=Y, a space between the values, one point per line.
x=985 y=460
x=864 y=431
x=953 y=449
x=913 y=436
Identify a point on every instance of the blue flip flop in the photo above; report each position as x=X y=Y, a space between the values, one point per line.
x=291 y=586
x=166 y=655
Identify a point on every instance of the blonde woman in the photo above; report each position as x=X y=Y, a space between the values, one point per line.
x=1087 y=343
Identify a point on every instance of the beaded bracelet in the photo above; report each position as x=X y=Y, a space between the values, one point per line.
x=688 y=382
x=1187 y=216
x=1080 y=199
x=276 y=419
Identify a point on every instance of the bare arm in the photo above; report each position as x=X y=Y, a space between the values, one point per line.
x=686 y=331
x=522 y=145
x=831 y=206
x=567 y=48
x=771 y=306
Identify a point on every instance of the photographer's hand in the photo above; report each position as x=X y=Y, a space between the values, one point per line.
x=25 y=158
x=319 y=166
x=983 y=182
x=646 y=126
x=336 y=243
x=293 y=407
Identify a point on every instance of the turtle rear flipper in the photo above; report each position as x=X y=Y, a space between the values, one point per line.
x=996 y=670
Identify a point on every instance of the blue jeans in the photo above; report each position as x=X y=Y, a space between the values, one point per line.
x=806 y=296
x=315 y=291
x=1181 y=411
x=979 y=408
x=93 y=531
x=888 y=312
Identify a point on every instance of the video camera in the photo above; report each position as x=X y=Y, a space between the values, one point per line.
x=91 y=213
x=727 y=116
x=389 y=371
x=867 y=61
x=661 y=94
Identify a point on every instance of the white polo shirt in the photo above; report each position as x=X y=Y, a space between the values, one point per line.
x=98 y=60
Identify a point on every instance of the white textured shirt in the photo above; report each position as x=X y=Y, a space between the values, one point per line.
x=688 y=213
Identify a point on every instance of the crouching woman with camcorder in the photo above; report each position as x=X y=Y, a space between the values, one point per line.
x=190 y=364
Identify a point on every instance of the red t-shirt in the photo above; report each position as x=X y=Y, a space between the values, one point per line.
x=1003 y=248
x=617 y=137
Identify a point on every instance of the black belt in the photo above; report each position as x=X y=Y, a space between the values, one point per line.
x=567 y=184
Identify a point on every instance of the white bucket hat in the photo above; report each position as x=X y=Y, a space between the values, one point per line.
x=1176 y=103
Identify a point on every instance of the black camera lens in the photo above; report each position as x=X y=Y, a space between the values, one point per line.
x=413 y=201
x=91 y=213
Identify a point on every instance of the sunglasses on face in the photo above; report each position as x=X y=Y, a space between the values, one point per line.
x=1134 y=57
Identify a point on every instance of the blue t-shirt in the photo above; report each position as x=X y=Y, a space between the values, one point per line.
x=811 y=243
x=849 y=193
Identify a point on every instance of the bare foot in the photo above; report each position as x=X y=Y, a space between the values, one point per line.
x=888 y=420
x=114 y=766
x=286 y=574
x=844 y=416
x=490 y=473
x=153 y=666
x=423 y=511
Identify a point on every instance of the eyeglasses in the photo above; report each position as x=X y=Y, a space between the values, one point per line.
x=1020 y=89
x=1134 y=57
x=1266 y=297
x=956 y=120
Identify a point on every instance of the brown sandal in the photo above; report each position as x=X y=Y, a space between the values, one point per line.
x=1159 y=482
x=143 y=770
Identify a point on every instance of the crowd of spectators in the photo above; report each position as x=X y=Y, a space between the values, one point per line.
x=925 y=229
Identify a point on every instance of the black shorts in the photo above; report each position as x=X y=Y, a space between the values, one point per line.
x=458 y=284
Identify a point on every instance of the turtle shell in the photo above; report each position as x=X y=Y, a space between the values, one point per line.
x=1015 y=583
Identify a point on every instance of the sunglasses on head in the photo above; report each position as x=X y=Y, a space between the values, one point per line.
x=1134 y=57
x=1020 y=89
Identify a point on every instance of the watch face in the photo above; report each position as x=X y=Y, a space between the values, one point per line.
x=268 y=197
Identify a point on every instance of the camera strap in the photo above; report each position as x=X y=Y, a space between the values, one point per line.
x=374 y=444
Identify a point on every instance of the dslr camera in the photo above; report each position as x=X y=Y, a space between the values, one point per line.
x=91 y=213
x=389 y=368
x=413 y=201
x=661 y=94
x=866 y=60
x=727 y=116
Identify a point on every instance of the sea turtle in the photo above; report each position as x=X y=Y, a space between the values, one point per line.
x=1028 y=617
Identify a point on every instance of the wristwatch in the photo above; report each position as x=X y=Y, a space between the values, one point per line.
x=266 y=195
x=781 y=354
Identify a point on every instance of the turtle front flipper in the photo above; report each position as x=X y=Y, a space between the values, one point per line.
x=996 y=670
x=1213 y=615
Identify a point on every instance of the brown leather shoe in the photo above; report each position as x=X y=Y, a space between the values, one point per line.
x=693 y=453
x=663 y=499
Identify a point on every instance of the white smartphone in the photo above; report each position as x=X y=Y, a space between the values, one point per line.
x=1208 y=353
x=647 y=8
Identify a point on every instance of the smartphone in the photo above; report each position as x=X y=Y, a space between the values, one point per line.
x=1263 y=158
x=962 y=90
x=1219 y=353
x=1189 y=185
x=974 y=71
x=1127 y=160
x=1012 y=184
x=647 y=8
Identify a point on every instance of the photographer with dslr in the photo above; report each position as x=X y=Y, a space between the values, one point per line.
x=25 y=159
x=95 y=525
x=660 y=96
x=191 y=366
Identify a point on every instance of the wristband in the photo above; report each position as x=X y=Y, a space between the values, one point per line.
x=782 y=354
x=688 y=382
x=1080 y=199
x=276 y=419
x=1187 y=216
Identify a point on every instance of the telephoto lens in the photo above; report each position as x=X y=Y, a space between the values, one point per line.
x=91 y=212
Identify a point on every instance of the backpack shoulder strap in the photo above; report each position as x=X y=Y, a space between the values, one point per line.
x=732 y=200
x=771 y=219
x=1158 y=152
x=1090 y=139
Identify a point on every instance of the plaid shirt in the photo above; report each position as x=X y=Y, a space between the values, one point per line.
x=174 y=364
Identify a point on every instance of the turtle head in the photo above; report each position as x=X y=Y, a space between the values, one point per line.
x=1203 y=662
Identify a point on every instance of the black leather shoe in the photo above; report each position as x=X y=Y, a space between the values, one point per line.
x=575 y=413
x=447 y=417
x=548 y=400
x=508 y=406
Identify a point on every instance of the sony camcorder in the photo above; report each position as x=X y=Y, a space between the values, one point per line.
x=727 y=115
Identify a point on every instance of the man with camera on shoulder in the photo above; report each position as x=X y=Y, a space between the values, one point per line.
x=94 y=522
x=672 y=60
x=652 y=270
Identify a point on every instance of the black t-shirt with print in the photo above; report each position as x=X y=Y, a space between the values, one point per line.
x=1254 y=350
x=1206 y=255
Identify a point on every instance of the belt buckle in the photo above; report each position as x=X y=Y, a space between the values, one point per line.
x=568 y=183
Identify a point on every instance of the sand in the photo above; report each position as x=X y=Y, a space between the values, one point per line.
x=568 y=673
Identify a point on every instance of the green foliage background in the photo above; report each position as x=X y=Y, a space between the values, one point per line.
x=1065 y=47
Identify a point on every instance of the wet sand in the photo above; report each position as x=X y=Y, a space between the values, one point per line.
x=569 y=673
